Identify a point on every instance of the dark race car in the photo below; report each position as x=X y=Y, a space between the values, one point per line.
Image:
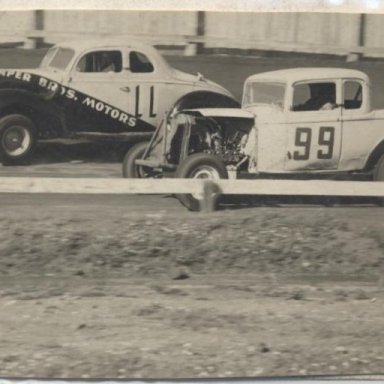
x=95 y=88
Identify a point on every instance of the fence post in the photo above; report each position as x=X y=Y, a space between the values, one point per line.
x=211 y=193
x=200 y=30
x=195 y=47
x=32 y=42
x=355 y=56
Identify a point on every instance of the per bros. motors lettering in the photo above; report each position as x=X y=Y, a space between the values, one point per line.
x=71 y=94
x=114 y=113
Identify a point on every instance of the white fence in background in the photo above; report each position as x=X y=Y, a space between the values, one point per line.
x=118 y=22
x=295 y=28
x=335 y=33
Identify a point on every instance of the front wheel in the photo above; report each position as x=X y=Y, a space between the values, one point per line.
x=130 y=169
x=17 y=138
x=199 y=166
x=378 y=173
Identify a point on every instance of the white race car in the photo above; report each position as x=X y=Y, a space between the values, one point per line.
x=302 y=122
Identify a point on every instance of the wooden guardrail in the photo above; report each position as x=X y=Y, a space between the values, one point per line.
x=191 y=186
x=346 y=379
x=171 y=186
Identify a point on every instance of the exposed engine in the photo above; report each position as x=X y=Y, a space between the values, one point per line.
x=226 y=138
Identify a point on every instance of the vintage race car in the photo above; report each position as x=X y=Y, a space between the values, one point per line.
x=96 y=88
x=297 y=123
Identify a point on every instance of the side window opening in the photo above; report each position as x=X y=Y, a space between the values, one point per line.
x=139 y=63
x=314 y=96
x=353 y=95
x=100 y=62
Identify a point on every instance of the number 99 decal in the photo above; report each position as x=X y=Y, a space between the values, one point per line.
x=326 y=138
x=303 y=139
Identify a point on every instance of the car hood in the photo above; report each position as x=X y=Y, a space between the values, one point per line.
x=265 y=112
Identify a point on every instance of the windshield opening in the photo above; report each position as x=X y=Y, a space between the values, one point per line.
x=264 y=93
x=48 y=57
x=58 y=58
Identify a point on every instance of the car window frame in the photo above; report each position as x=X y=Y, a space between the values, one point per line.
x=75 y=73
x=363 y=94
x=147 y=55
x=338 y=99
x=265 y=81
x=70 y=63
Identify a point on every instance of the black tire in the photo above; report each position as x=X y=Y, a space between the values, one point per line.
x=378 y=175
x=378 y=172
x=130 y=169
x=17 y=139
x=190 y=168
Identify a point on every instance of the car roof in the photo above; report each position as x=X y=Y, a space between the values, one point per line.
x=103 y=42
x=293 y=75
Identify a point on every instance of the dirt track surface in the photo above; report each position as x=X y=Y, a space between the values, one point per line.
x=117 y=286
x=96 y=289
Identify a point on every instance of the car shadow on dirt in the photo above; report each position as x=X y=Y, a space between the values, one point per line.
x=251 y=201
x=64 y=151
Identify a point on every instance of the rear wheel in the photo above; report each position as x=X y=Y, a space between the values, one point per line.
x=378 y=175
x=130 y=169
x=17 y=139
x=200 y=166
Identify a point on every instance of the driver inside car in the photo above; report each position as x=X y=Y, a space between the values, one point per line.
x=106 y=63
x=322 y=98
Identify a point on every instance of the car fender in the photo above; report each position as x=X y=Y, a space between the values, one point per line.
x=45 y=114
x=69 y=105
x=374 y=156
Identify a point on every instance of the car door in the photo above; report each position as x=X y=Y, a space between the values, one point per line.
x=108 y=96
x=361 y=131
x=314 y=128
x=152 y=90
x=144 y=91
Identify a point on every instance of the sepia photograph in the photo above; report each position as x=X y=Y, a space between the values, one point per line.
x=191 y=194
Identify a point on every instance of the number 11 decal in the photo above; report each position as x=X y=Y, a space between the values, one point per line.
x=303 y=139
x=151 y=104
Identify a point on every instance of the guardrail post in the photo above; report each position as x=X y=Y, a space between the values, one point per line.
x=211 y=193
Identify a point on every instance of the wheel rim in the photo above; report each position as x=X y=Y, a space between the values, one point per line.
x=142 y=172
x=379 y=172
x=204 y=172
x=16 y=140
